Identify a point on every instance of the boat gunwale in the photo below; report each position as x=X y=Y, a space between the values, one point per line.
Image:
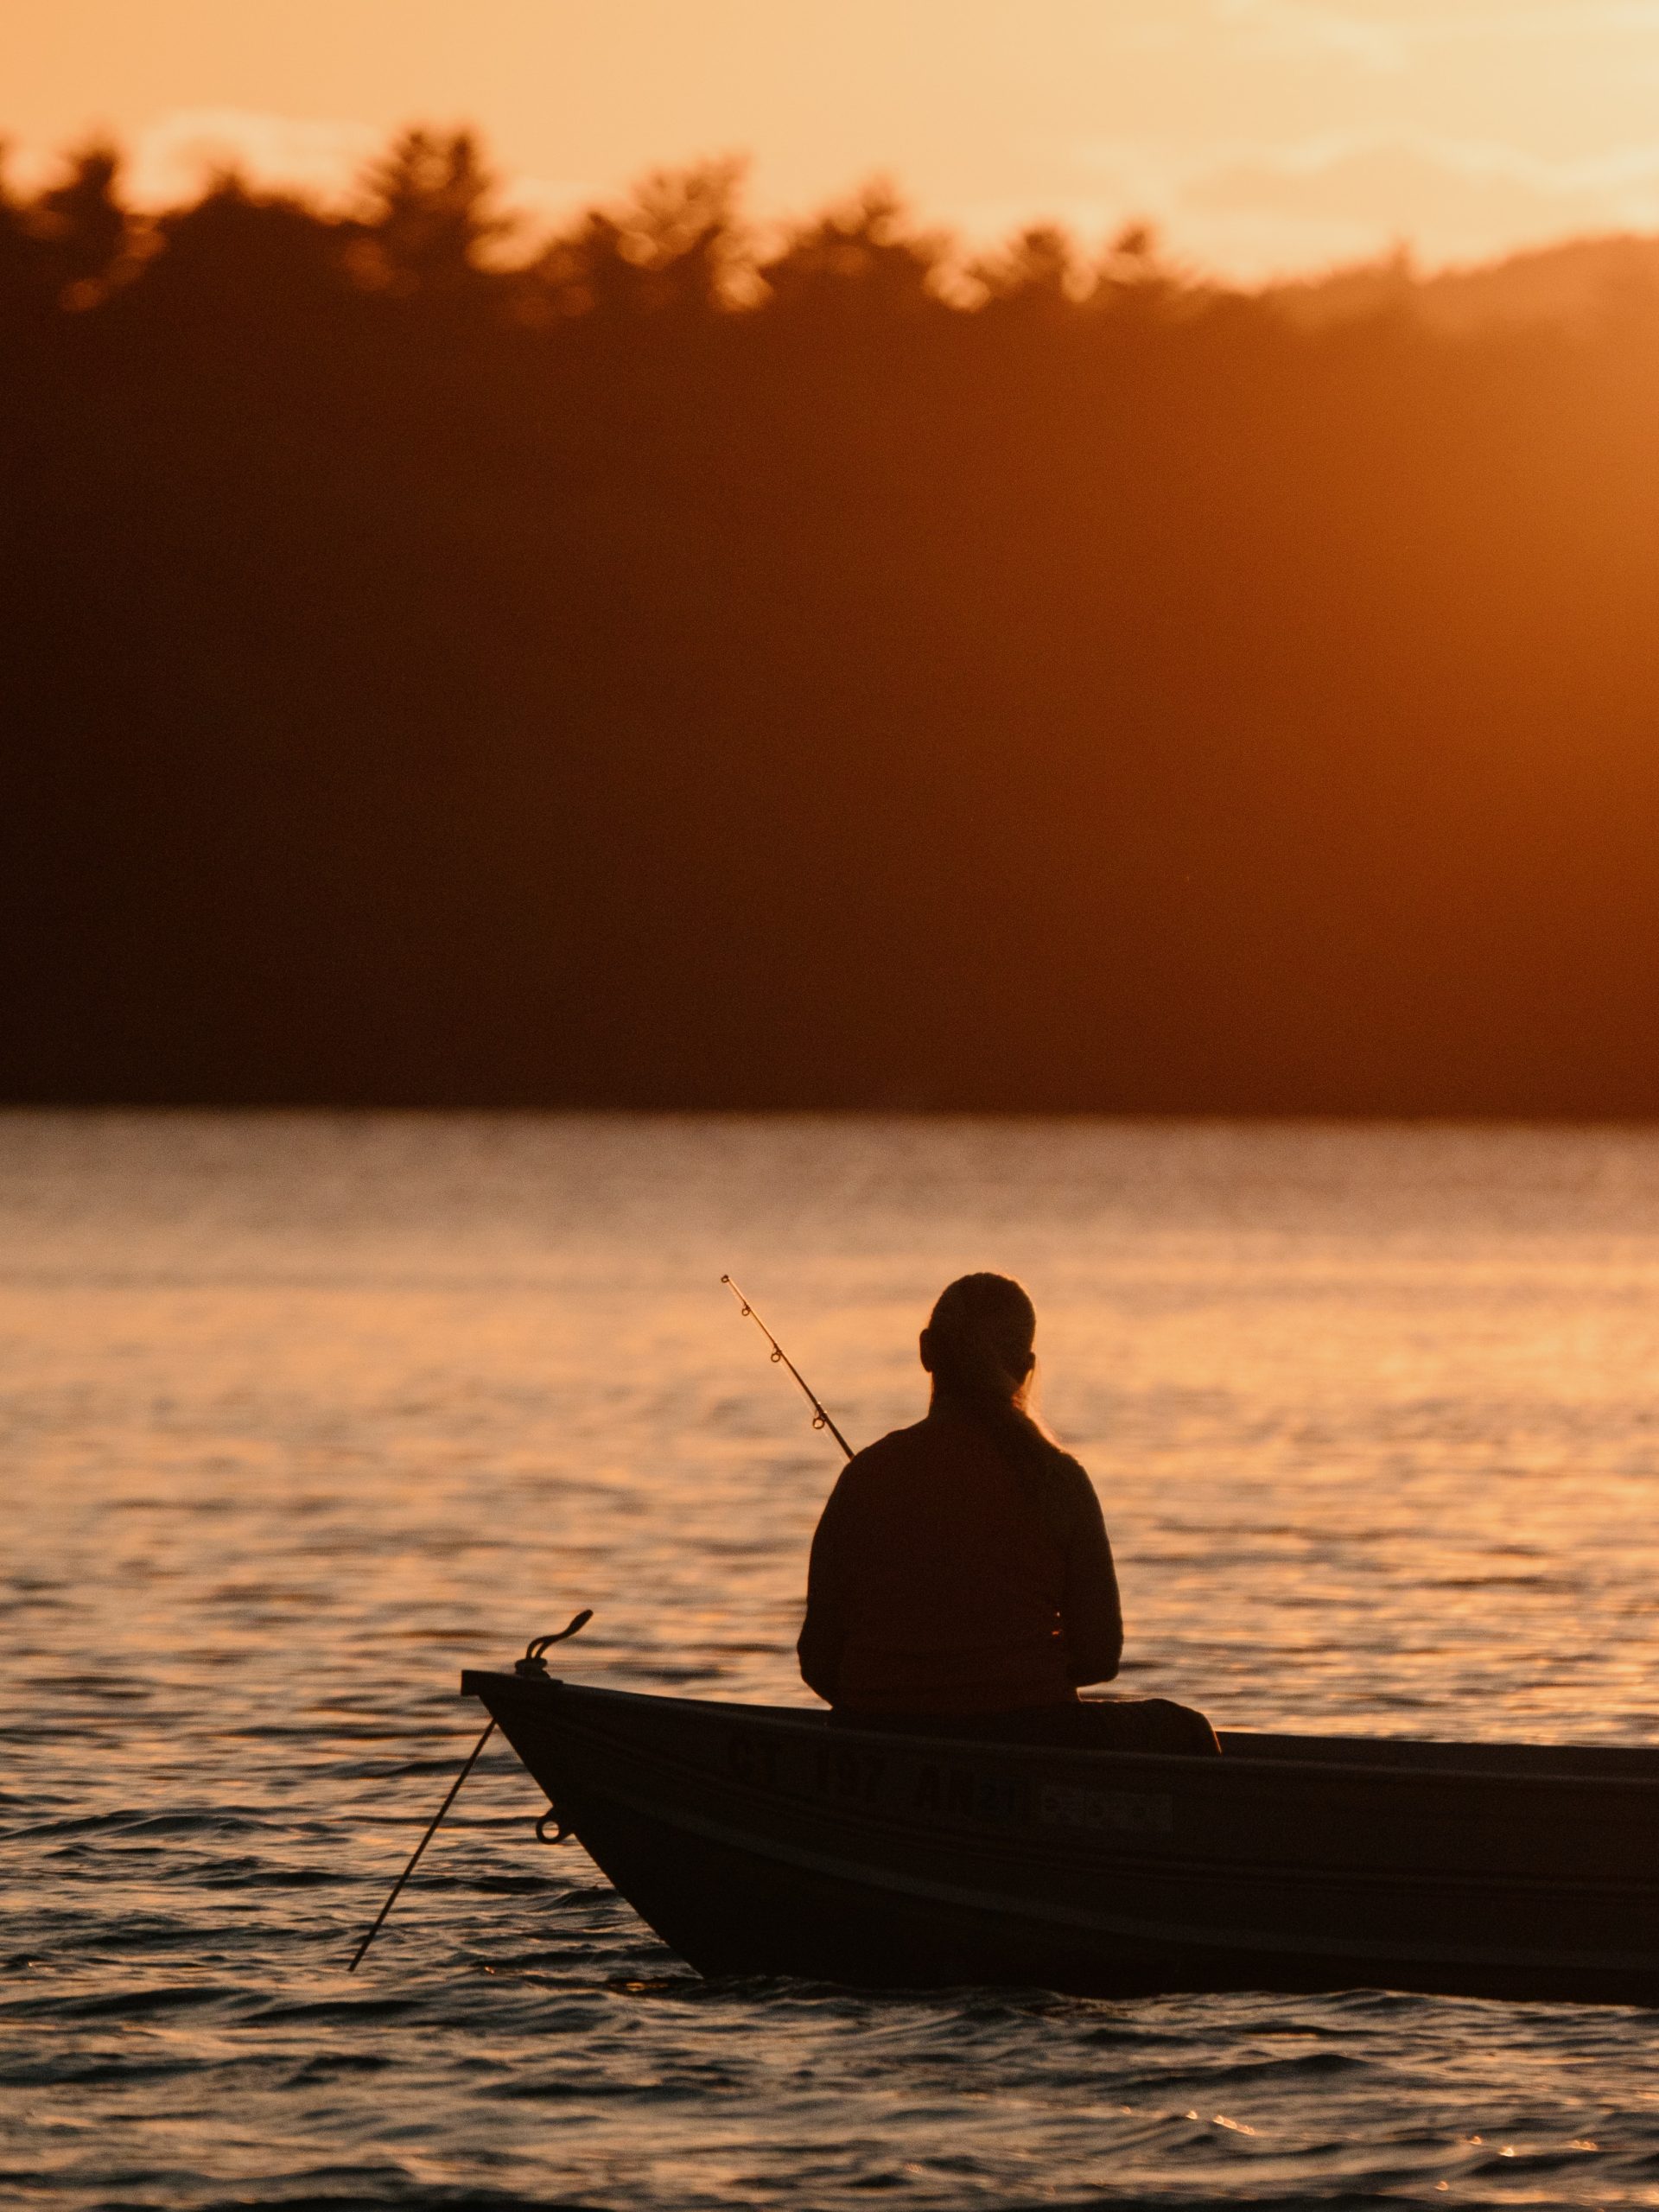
x=789 y=1718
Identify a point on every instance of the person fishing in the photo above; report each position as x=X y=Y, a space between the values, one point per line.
x=961 y=1579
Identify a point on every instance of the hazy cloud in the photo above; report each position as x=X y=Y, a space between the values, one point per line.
x=1257 y=210
x=1425 y=184
x=1295 y=27
x=1390 y=38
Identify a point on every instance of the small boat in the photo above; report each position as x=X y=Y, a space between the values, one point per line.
x=760 y=1840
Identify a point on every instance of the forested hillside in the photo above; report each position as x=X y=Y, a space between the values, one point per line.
x=660 y=667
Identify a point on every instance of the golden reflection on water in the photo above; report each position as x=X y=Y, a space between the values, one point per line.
x=1368 y=1409
x=301 y=1416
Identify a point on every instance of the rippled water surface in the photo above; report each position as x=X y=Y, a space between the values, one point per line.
x=301 y=1415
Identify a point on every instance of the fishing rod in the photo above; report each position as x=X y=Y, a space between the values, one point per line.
x=820 y=1419
x=531 y=1663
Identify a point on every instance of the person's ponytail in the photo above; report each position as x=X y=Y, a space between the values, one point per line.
x=978 y=1348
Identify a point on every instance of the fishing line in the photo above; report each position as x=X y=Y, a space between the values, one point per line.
x=531 y=1663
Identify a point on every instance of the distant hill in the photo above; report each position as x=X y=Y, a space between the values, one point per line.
x=1579 y=282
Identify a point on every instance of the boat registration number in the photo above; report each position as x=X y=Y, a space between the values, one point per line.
x=1123 y=1812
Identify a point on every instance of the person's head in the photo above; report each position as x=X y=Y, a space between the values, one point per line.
x=978 y=1342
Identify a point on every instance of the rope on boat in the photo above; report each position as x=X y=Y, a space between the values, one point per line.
x=533 y=1663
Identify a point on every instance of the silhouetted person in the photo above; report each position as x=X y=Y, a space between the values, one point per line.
x=961 y=1579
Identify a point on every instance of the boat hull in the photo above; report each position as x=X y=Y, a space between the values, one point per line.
x=758 y=1840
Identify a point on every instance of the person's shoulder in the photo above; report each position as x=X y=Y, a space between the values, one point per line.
x=897 y=1443
x=861 y=1482
x=892 y=1450
x=1071 y=1480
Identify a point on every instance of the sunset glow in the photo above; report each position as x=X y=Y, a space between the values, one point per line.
x=986 y=665
x=1259 y=135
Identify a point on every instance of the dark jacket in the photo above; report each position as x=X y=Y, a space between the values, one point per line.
x=947 y=1576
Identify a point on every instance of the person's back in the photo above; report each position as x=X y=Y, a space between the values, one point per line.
x=961 y=1573
x=944 y=1579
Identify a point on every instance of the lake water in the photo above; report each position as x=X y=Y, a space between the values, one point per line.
x=299 y=1415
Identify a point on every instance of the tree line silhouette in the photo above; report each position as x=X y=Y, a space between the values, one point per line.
x=661 y=666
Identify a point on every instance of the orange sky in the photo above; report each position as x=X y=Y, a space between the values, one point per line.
x=1261 y=134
